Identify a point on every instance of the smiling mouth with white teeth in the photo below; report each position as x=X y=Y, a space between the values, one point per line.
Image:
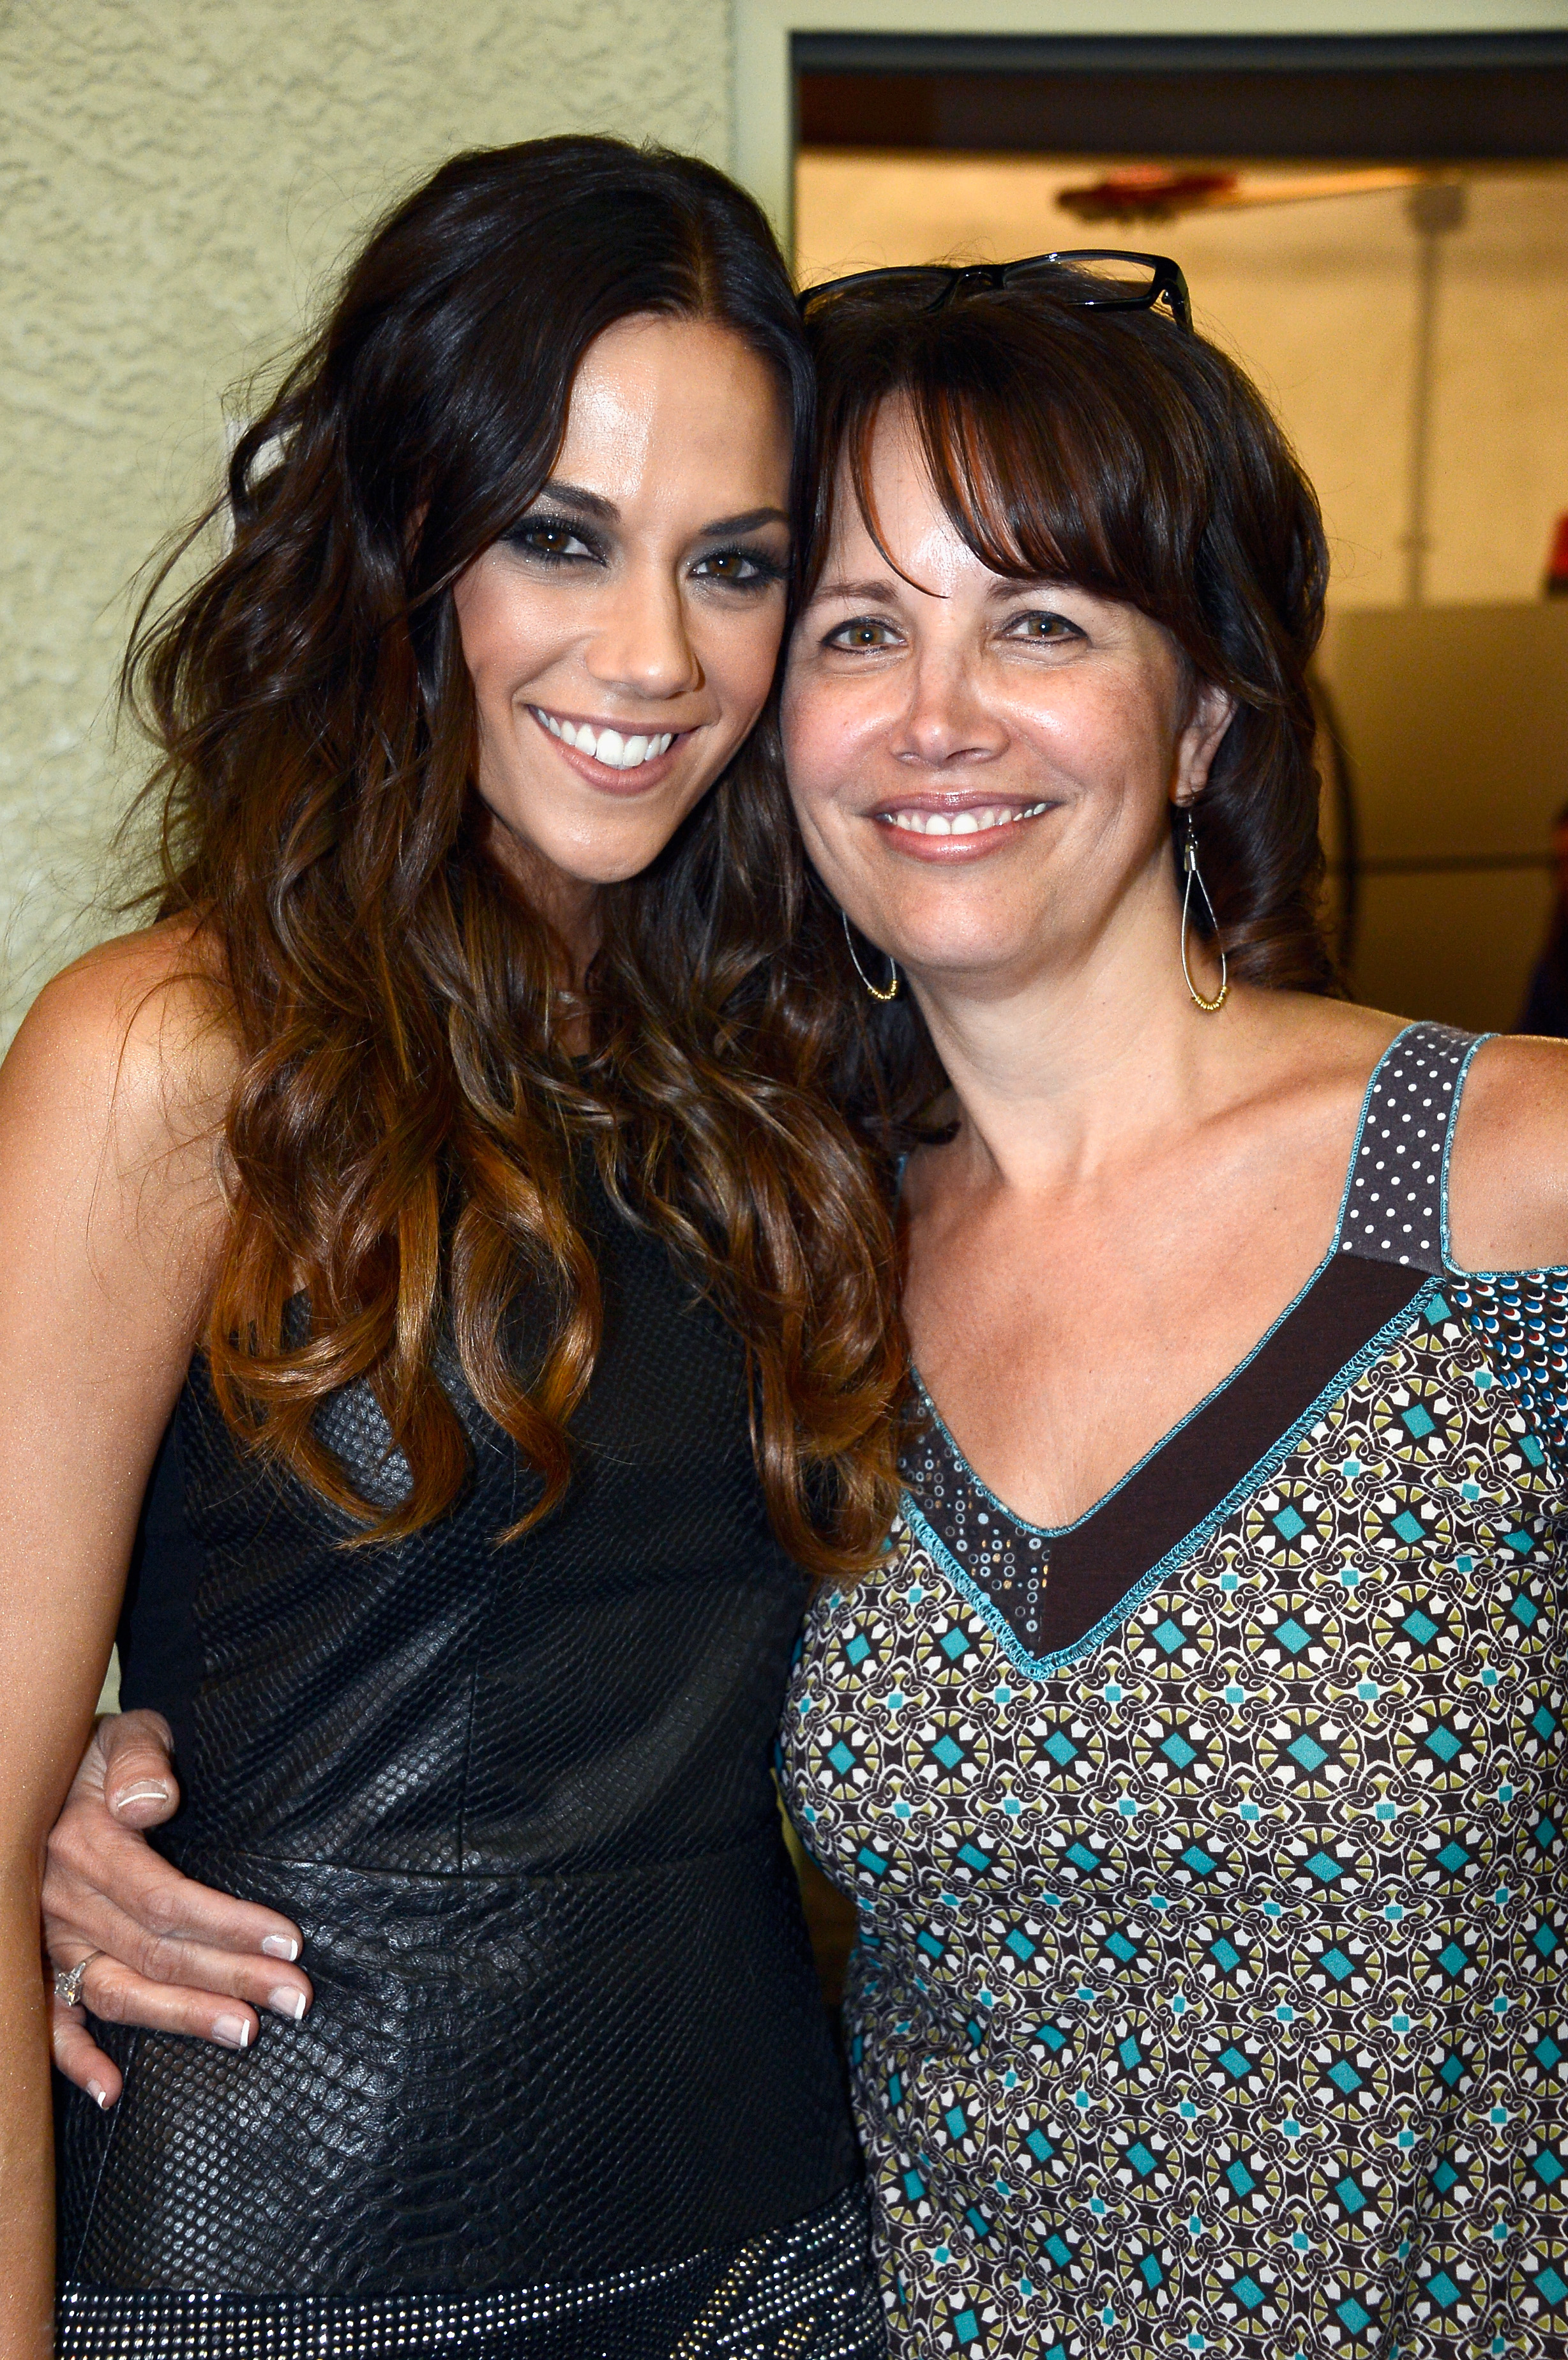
x=973 y=822
x=607 y=745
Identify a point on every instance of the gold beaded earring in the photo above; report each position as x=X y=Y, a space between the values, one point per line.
x=892 y=990
x=1195 y=874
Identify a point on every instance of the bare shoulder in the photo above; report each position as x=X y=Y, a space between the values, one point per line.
x=125 y=1063
x=1305 y=1062
x=1333 y=1042
x=143 y=1018
x=1509 y=1176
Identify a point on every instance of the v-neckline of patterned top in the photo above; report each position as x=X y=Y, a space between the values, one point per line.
x=1054 y=1591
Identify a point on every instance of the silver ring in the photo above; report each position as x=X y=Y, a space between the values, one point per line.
x=68 y=1980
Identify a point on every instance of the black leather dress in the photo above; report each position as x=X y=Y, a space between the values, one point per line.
x=567 y=2087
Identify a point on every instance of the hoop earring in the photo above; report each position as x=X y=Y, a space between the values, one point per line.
x=892 y=990
x=1190 y=861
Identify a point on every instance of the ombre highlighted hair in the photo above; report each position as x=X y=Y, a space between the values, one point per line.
x=408 y=1133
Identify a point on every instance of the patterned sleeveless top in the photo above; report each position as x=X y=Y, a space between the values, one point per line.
x=1209 y=1852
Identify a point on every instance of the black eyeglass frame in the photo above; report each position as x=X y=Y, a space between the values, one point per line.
x=1166 y=284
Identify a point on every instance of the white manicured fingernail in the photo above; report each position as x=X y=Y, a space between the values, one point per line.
x=231 y=2030
x=278 y=1946
x=147 y=1790
x=290 y=2004
x=99 y=2095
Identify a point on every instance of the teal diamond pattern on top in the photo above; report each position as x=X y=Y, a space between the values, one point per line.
x=1324 y=1868
x=1358 y=2004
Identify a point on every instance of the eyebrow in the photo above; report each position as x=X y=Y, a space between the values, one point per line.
x=1005 y=587
x=871 y=591
x=573 y=496
x=752 y=520
x=594 y=504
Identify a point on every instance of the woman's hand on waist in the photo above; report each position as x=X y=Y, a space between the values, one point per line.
x=160 y=1949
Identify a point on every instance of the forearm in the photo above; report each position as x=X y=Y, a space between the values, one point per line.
x=26 y=2136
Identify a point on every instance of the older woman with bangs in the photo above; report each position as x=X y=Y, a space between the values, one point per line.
x=1194 y=1752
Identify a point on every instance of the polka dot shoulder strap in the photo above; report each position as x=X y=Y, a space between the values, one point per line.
x=1394 y=1198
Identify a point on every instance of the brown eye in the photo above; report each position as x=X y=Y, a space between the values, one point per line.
x=739 y=569
x=549 y=537
x=1044 y=626
x=865 y=631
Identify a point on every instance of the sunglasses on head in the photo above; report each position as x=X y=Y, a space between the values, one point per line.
x=1122 y=282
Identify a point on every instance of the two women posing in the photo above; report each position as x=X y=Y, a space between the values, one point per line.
x=467 y=1223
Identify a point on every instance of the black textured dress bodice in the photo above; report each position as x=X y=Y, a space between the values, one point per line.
x=518 y=1797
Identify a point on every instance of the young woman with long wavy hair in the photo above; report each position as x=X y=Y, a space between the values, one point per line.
x=444 y=1313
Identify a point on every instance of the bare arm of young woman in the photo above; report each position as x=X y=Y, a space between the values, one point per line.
x=112 y=1220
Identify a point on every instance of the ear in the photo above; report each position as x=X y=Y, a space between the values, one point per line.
x=1211 y=714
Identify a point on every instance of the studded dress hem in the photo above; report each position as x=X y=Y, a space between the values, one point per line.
x=804 y=2292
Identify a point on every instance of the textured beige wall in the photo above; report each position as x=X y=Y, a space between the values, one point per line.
x=177 y=177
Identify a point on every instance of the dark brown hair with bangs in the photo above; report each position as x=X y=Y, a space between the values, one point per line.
x=1112 y=449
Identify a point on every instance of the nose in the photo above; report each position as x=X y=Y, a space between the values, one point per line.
x=946 y=722
x=642 y=642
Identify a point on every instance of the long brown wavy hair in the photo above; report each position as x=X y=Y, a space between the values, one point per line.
x=1111 y=449
x=408 y=1132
